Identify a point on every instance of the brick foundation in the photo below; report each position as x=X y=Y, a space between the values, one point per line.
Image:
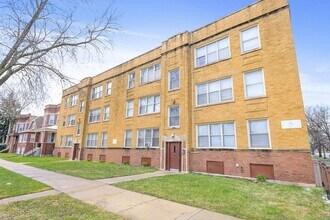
x=292 y=166
x=63 y=152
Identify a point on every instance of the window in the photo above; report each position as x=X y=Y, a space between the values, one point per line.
x=174 y=116
x=109 y=87
x=97 y=92
x=148 y=138
x=149 y=105
x=50 y=137
x=150 y=74
x=78 y=128
x=221 y=135
x=23 y=137
x=51 y=120
x=106 y=113
x=250 y=39
x=104 y=139
x=259 y=134
x=21 y=127
x=174 y=80
x=68 y=141
x=72 y=120
x=81 y=107
x=91 y=140
x=32 y=138
x=213 y=52
x=215 y=92
x=33 y=124
x=129 y=108
x=128 y=138
x=131 y=80
x=61 y=141
x=63 y=122
x=254 y=84
x=74 y=100
x=94 y=115
x=66 y=104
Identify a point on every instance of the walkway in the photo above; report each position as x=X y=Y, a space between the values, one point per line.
x=129 y=204
x=28 y=196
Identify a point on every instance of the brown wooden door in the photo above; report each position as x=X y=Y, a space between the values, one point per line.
x=75 y=152
x=173 y=156
x=262 y=169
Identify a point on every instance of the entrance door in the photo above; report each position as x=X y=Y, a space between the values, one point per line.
x=75 y=152
x=173 y=156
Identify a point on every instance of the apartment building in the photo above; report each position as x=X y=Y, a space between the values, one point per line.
x=35 y=133
x=225 y=99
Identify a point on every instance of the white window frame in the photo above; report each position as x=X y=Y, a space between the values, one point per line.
x=51 y=119
x=71 y=122
x=129 y=86
x=66 y=141
x=34 y=138
x=169 y=116
x=104 y=113
x=154 y=71
x=209 y=135
x=74 y=100
x=146 y=97
x=248 y=130
x=47 y=139
x=78 y=130
x=104 y=141
x=81 y=106
x=264 y=84
x=109 y=88
x=99 y=94
x=125 y=137
x=97 y=139
x=127 y=108
x=241 y=38
x=169 y=80
x=152 y=133
x=89 y=116
x=207 y=92
x=205 y=48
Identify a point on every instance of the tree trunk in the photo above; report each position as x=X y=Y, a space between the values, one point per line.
x=320 y=151
x=324 y=155
x=8 y=132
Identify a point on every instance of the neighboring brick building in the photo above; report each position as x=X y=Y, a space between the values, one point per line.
x=35 y=132
x=225 y=98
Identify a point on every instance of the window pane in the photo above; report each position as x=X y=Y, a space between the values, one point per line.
x=255 y=90
x=250 y=33
x=251 y=44
x=228 y=128
x=258 y=127
x=253 y=77
x=214 y=97
x=229 y=141
x=201 y=99
x=200 y=52
x=215 y=129
x=226 y=84
x=224 y=53
x=202 y=130
x=201 y=61
x=203 y=141
x=226 y=94
x=259 y=140
x=224 y=43
x=216 y=141
x=202 y=89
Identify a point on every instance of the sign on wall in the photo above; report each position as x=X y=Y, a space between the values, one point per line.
x=291 y=124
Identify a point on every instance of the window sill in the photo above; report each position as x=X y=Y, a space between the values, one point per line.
x=90 y=147
x=173 y=90
x=158 y=80
x=173 y=127
x=154 y=113
x=260 y=148
x=216 y=148
x=218 y=103
x=94 y=122
x=250 y=51
x=147 y=147
x=209 y=64
x=105 y=120
x=96 y=99
x=129 y=117
x=257 y=97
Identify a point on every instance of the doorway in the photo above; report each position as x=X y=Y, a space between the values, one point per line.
x=75 y=152
x=173 y=156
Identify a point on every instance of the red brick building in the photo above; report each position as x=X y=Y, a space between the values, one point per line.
x=35 y=133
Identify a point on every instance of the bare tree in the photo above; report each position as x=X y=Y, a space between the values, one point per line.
x=318 y=123
x=11 y=106
x=36 y=36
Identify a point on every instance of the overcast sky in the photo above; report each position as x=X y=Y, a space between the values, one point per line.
x=147 y=23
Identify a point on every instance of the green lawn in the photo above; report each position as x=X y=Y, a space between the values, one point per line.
x=13 y=184
x=54 y=207
x=236 y=197
x=93 y=170
x=84 y=169
x=20 y=159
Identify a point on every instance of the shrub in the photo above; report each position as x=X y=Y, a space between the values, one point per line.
x=261 y=178
x=125 y=163
x=145 y=164
x=102 y=161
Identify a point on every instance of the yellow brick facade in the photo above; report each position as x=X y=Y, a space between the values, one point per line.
x=276 y=57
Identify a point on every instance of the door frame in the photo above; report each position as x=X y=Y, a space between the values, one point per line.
x=75 y=153
x=167 y=158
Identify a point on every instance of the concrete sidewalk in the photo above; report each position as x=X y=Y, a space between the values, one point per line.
x=129 y=204
x=28 y=196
